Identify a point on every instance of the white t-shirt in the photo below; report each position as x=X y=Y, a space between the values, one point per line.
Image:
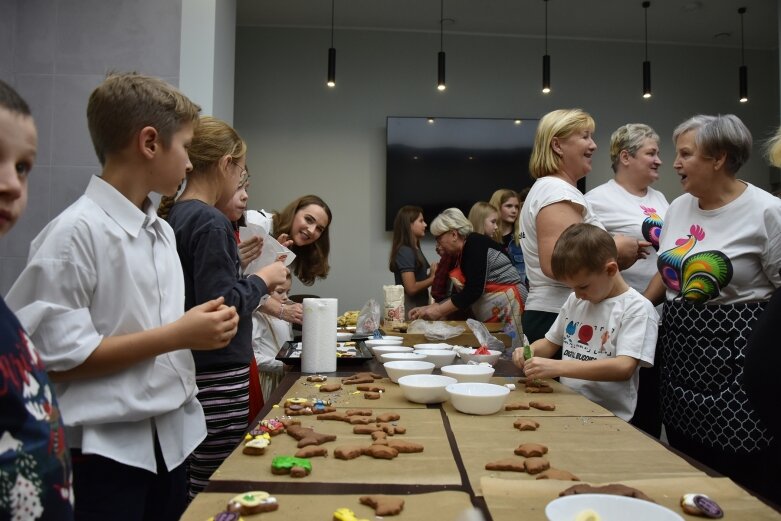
x=640 y=218
x=103 y=268
x=728 y=255
x=624 y=325
x=546 y=294
x=269 y=334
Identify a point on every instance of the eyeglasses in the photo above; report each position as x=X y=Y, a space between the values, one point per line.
x=244 y=169
x=439 y=237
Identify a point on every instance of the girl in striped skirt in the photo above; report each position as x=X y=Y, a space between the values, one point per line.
x=210 y=261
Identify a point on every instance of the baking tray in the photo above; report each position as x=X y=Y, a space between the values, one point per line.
x=290 y=354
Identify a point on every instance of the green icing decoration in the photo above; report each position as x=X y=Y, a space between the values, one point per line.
x=286 y=462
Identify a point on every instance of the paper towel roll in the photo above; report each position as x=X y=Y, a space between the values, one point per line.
x=318 y=340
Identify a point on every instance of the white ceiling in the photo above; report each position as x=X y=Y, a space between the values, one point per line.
x=695 y=22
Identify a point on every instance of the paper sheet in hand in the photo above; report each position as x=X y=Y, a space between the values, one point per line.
x=258 y=224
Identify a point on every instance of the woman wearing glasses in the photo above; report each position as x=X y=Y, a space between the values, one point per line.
x=484 y=280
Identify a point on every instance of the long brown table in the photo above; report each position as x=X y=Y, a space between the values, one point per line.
x=449 y=476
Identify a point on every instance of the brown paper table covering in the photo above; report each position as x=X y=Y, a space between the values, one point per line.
x=568 y=402
x=506 y=499
x=596 y=449
x=434 y=466
x=349 y=397
x=447 y=505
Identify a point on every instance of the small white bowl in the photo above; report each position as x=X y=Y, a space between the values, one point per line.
x=609 y=508
x=391 y=337
x=401 y=368
x=433 y=346
x=343 y=337
x=392 y=357
x=477 y=398
x=425 y=388
x=383 y=350
x=468 y=355
x=469 y=373
x=377 y=342
x=438 y=357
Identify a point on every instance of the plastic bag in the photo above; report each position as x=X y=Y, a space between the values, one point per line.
x=434 y=330
x=483 y=336
x=368 y=318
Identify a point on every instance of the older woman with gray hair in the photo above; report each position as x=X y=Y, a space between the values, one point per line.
x=719 y=262
x=484 y=280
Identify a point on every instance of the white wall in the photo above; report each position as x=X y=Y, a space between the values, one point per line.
x=306 y=138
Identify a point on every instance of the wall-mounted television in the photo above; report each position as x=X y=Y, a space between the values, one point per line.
x=438 y=163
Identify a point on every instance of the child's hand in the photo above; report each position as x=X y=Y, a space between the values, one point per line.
x=538 y=367
x=518 y=358
x=273 y=274
x=210 y=325
x=250 y=249
x=293 y=313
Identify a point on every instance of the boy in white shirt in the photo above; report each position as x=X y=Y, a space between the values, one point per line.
x=605 y=329
x=102 y=297
x=269 y=334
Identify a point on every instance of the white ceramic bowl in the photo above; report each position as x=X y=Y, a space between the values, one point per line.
x=477 y=398
x=377 y=342
x=438 y=357
x=469 y=373
x=343 y=337
x=400 y=368
x=383 y=350
x=391 y=337
x=468 y=355
x=425 y=388
x=609 y=508
x=392 y=357
x=433 y=346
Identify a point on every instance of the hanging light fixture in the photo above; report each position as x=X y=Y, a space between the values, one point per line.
x=331 y=82
x=646 y=63
x=546 y=57
x=441 y=56
x=743 y=74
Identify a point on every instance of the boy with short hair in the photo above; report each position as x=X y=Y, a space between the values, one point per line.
x=102 y=296
x=35 y=467
x=605 y=329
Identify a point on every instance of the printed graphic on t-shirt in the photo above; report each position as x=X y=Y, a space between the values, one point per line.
x=587 y=342
x=698 y=277
x=652 y=226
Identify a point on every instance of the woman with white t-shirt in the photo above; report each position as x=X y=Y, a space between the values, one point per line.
x=628 y=205
x=563 y=147
x=719 y=261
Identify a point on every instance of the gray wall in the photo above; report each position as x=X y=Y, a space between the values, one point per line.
x=305 y=138
x=55 y=52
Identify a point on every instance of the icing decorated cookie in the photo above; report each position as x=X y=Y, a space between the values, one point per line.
x=255 y=502
x=345 y=514
x=701 y=505
x=271 y=426
x=226 y=516
x=296 y=467
x=256 y=446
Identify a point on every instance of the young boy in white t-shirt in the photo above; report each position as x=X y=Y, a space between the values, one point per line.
x=605 y=329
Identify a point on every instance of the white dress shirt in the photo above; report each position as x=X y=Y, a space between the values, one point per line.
x=104 y=268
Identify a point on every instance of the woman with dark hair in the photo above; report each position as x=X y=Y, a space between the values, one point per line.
x=407 y=262
x=303 y=227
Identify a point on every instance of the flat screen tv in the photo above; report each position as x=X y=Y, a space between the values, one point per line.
x=438 y=163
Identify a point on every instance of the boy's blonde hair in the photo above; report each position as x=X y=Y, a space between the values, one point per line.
x=582 y=247
x=560 y=124
x=127 y=102
x=479 y=213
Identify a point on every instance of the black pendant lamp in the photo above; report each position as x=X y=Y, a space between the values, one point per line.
x=743 y=73
x=546 y=57
x=441 y=56
x=331 y=82
x=646 y=63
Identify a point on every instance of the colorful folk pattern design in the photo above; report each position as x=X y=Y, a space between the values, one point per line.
x=652 y=226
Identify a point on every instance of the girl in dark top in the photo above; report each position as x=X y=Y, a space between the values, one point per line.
x=508 y=202
x=410 y=268
x=484 y=279
x=207 y=248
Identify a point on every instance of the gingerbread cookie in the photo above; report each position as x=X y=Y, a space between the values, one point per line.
x=307 y=436
x=701 y=505
x=312 y=451
x=256 y=446
x=345 y=514
x=372 y=395
x=531 y=450
x=371 y=388
x=272 y=426
x=387 y=428
x=516 y=406
x=511 y=464
x=381 y=452
x=522 y=424
x=330 y=388
x=613 y=489
x=535 y=389
x=348 y=452
x=404 y=447
x=561 y=475
x=359 y=412
x=250 y=503
x=543 y=406
x=361 y=378
x=387 y=417
x=536 y=465
x=316 y=378
x=226 y=516
x=383 y=505
x=296 y=467
x=335 y=416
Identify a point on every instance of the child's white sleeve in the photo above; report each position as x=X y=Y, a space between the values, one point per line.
x=637 y=336
x=264 y=345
